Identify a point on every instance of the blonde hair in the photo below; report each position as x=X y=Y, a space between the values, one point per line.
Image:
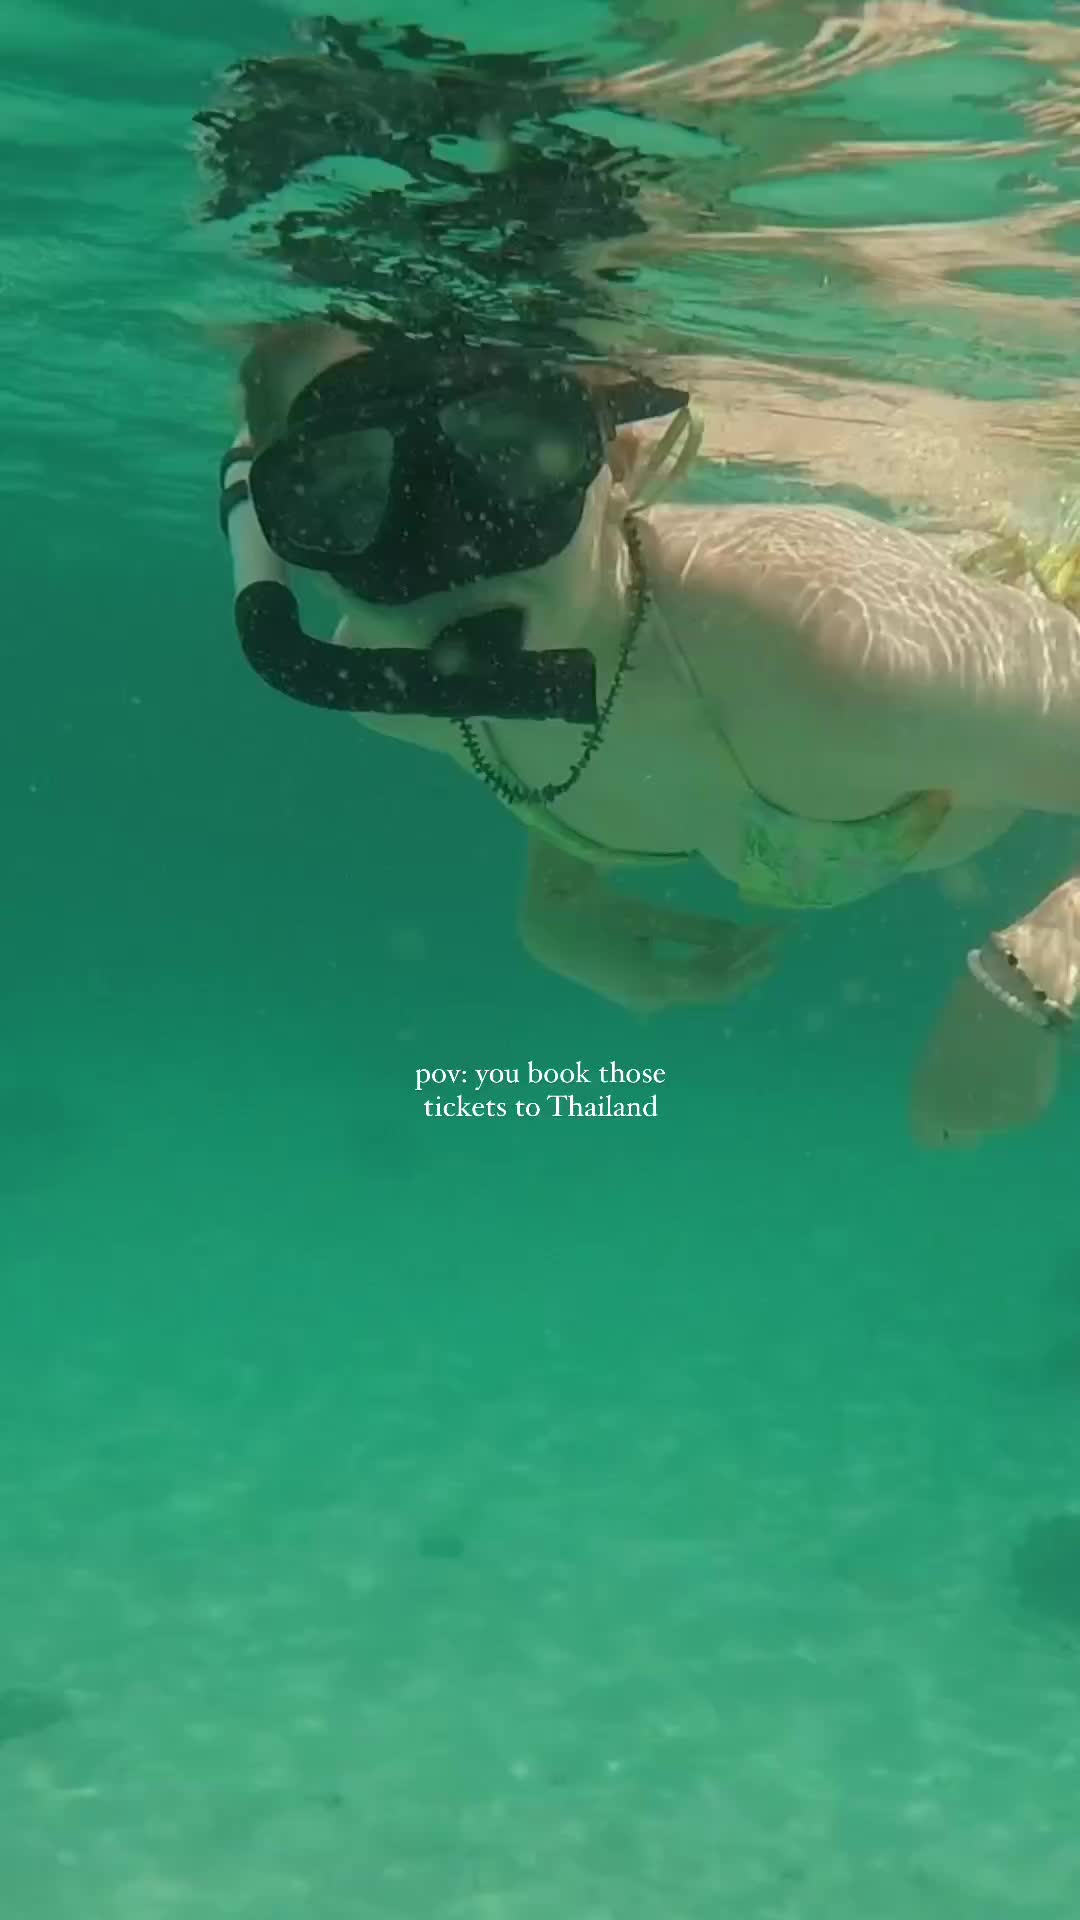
x=282 y=357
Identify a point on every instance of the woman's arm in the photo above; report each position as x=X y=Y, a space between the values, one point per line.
x=979 y=684
x=642 y=957
x=910 y=667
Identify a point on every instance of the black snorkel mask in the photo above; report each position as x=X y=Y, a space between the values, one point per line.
x=407 y=472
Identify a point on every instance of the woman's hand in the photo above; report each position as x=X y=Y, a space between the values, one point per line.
x=992 y=1062
x=985 y=1070
x=642 y=957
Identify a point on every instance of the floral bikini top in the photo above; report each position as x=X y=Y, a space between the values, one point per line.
x=785 y=860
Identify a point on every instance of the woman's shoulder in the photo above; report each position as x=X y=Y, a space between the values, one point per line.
x=795 y=569
x=755 y=599
x=788 y=533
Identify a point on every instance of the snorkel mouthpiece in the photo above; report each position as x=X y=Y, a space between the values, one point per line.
x=469 y=673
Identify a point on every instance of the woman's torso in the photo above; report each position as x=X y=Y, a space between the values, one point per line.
x=711 y=737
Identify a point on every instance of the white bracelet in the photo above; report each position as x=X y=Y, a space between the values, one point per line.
x=1039 y=1011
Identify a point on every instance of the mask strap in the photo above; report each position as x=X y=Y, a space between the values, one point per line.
x=661 y=466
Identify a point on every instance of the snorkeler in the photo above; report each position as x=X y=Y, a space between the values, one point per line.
x=813 y=702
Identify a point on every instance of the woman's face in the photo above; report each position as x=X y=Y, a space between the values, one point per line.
x=559 y=598
x=559 y=591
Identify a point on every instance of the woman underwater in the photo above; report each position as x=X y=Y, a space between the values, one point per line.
x=812 y=701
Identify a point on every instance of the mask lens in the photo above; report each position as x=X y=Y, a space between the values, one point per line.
x=526 y=445
x=331 y=496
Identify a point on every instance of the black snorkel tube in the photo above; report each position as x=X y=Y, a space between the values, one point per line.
x=477 y=668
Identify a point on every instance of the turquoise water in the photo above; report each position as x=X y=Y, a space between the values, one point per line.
x=415 y=1519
